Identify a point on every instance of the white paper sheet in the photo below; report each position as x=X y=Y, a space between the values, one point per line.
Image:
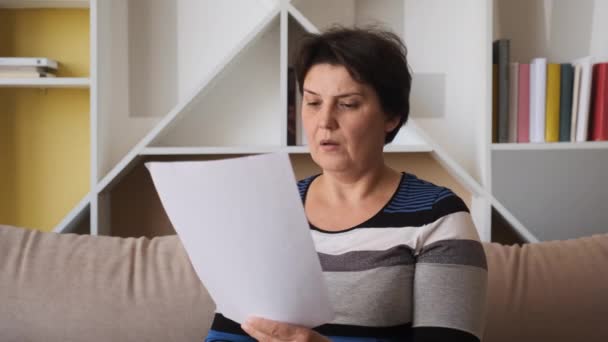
x=242 y=223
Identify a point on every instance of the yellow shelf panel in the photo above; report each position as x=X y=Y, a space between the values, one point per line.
x=44 y=133
x=45 y=149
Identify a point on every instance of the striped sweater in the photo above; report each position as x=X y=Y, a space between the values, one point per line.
x=415 y=271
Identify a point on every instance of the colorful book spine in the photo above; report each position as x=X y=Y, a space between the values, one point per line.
x=565 y=101
x=523 y=104
x=599 y=113
x=576 y=90
x=552 y=103
x=513 y=104
x=291 y=107
x=538 y=87
x=501 y=52
x=494 y=103
x=584 y=99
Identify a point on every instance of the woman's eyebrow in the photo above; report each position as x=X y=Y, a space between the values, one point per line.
x=337 y=96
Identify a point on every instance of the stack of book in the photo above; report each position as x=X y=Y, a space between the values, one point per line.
x=20 y=67
x=541 y=102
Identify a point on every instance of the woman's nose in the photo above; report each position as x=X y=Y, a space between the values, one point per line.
x=327 y=117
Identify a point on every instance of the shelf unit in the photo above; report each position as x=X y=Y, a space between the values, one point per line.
x=194 y=112
x=46 y=123
x=165 y=86
x=554 y=189
x=157 y=93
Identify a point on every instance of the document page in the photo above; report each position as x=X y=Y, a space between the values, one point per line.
x=242 y=223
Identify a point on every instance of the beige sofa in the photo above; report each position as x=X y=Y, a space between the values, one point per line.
x=81 y=288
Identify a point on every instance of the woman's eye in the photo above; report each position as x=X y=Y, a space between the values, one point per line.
x=314 y=104
x=349 y=105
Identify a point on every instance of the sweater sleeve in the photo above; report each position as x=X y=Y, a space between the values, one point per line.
x=450 y=277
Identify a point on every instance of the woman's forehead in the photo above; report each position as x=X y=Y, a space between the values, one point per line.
x=331 y=80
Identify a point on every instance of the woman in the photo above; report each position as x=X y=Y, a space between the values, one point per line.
x=400 y=255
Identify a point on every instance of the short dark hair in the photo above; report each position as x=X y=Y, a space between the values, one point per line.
x=372 y=55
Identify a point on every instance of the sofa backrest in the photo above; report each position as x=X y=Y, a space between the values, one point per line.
x=66 y=287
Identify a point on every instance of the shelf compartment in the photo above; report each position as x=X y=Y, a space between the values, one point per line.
x=556 y=194
x=46 y=154
x=61 y=34
x=241 y=106
x=135 y=209
x=153 y=57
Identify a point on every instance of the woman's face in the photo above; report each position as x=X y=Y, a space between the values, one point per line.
x=344 y=122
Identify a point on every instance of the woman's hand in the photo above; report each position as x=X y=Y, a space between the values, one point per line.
x=266 y=330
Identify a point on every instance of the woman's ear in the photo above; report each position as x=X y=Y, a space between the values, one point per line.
x=391 y=123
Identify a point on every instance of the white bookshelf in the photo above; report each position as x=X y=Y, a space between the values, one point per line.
x=52 y=82
x=190 y=93
x=164 y=85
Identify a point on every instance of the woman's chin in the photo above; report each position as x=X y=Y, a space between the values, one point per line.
x=331 y=162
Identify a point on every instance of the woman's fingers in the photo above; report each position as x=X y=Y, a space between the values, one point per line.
x=257 y=334
x=266 y=330
x=270 y=328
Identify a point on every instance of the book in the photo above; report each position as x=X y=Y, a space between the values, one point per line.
x=29 y=62
x=17 y=74
x=300 y=133
x=494 y=103
x=538 y=87
x=565 y=101
x=599 y=112
x=523 y=104
x=513 y=104
x=584 y=97
x=552 y=103
x=576 y=89
x=501 y=57
x=291 y=107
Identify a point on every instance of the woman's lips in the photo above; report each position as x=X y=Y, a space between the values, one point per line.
x=329 y=145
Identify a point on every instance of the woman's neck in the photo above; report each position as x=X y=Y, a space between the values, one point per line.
x=353 y=187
